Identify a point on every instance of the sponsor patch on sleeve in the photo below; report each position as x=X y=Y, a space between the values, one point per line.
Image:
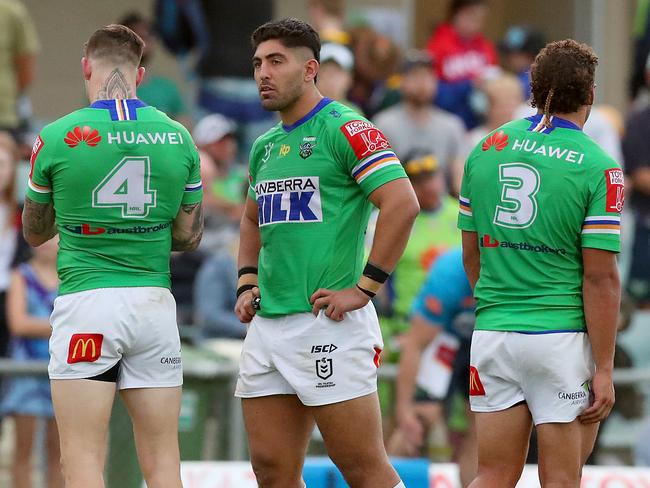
x=36 y=148
x=364 y=138
x=615 y=182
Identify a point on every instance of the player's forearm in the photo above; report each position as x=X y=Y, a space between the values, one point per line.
x=39 y=224
x=602 y=297
x=471 y=257
x=249 y=243
x=187 y=229
x=396 y=217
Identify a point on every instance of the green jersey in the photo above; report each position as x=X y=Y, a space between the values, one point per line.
x=117 y=173
x=537 y=195
x=311 y=182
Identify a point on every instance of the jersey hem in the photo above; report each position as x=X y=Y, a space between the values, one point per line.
x=63 y=291
x=518 y=330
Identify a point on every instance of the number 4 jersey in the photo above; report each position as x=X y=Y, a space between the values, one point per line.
x=117 y=172
x=537 y=195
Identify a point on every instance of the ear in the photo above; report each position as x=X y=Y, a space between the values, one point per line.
x=311 y=70
x=593 y=95
x=86 y=68
x=139 y=76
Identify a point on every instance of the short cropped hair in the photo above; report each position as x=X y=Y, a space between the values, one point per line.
x=562 y=77
x=290 y=33
x=115 y=43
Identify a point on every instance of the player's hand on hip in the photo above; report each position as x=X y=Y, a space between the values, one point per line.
x=336 y=303
x=603 y=390
x=244 y=307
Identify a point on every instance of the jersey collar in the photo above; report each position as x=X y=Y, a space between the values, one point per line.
x=319 y=106
x=120 y=109
x=537 y=126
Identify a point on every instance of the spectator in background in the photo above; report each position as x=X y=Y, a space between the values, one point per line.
x=433 y=232
x=519 y=47
x=26 y=398
x=224 y=67
x=215 y=296
x=223 y=178
x=335 y=73
x=463 y=57
x=504 y=96
x=636 y=148
x=9 y=235
x=375 y=62
x=327 y=18
x=156 y=90
x=444 y=306
x=415 y=125
x=18 y=48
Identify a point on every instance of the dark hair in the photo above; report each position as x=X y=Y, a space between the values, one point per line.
x=562 y=77
x=458 y=5
x=290 y=32
x=115 y=43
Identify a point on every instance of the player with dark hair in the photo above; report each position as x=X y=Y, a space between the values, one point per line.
x=313 y=344
x=540 y=211
x=123 y=181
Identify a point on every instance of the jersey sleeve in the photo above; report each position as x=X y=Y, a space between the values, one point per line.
x=252 y=167
x=367 y=155
x=440 y=299
x=193 y=187
x=465 y=215
x=601 y=228
x=39 y=184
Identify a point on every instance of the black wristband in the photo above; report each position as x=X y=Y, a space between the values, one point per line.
x=369 y=293
x=244 y=288
x=246 y=270
x=375 y=273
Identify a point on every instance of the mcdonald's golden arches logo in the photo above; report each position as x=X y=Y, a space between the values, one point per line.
x=475 y=385
x=85 y=348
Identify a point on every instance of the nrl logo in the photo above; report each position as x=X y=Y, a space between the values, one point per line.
x=307 y=147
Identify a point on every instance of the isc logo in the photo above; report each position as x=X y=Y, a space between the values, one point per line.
x=292 y=200
x=325 y=348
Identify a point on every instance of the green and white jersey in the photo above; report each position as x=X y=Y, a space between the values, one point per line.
x=311 y=181
x=536 y=196
x=117 y=172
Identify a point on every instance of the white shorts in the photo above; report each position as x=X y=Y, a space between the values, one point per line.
x=94 y=330
x=318 y=359
x=550 y=372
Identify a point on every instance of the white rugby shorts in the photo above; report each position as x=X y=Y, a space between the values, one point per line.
x=318 y=359
x=552 y=373
x=94 y=330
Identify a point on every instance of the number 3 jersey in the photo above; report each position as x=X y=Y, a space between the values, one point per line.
x=117 y=172
x=536 y=196
x=311 y=182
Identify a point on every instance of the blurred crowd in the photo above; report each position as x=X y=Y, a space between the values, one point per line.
x=434 y=105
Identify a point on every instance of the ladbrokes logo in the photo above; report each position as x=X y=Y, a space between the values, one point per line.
x=490 y=242
x=85 y=348
x=90 y=230
x=86 y=134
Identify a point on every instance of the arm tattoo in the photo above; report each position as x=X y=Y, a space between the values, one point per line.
x=115 y=86
x=38 y=219
x=193 y=238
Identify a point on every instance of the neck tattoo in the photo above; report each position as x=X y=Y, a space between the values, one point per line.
x=115 y=86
